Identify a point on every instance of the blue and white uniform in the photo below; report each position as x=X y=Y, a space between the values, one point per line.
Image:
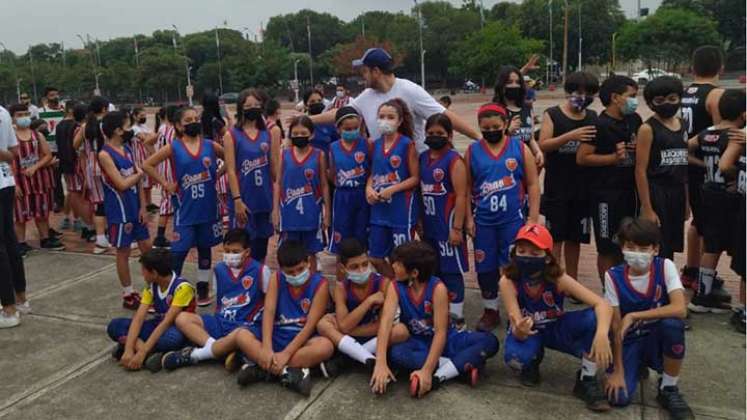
x=325 y=135
x=350 y=210
x=352 y=300
x=301 y=198
x=122 y=208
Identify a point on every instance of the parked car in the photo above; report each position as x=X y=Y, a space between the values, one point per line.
x=644 y=76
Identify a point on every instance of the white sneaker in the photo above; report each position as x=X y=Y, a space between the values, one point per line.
x=9 y=321
x=99 y=249
x=24 y=308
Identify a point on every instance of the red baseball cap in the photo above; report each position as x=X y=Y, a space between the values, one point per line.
x=537 y=235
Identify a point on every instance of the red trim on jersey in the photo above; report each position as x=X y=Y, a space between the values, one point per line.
x=417 y=300
x=392 y=146
x=353 y=146
x=302 y=161
x=651 y=280
x=189 y=152
x=490 y=154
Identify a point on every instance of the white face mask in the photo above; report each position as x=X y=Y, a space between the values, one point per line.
x=232 y=260
x=640 y=261
x=299 y=279
x=360 y=277
x=386 y=127
x=340 y=94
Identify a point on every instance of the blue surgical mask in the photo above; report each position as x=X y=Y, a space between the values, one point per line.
x=349 y=135
x=530 y=268
x=631 y=104
x=23 y=122
x=299 y=279
x=359 y=277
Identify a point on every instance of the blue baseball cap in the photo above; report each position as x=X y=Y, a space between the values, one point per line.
x=374 y=57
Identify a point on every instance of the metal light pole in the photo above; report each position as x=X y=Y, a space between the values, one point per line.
x=186 y=66
x=295 y=79
x=96 y=91
x=137 y=65
x=565 y=41
x=551 y=64
x=422 y=51
x=580 y=38
x=311 y=58
x=220 y=67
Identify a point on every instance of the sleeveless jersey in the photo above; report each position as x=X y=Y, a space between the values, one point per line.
x=350 y=167
x=544 y=305
x=121 y=206
x=240 y=298
x=29 y=154
x=162 y=301
x=694 y=113
x=668 y=157
x=439 y=197
x=253 y=170
x=300 y=191
x=324 y=136
x=197 y=198
x=294 y=303
x=498 y=188
x=563 y=177
x=525 y=130
x=417 y=313
x=631 y=300
x=712 y=143
x=352 y=301
x=389 y=168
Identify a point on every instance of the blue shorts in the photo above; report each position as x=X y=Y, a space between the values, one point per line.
x=464 y=349
x=281 y=337
x=219 y=327
x=205 y=235
x=258 y=225
x=571 y=334
x=311 y=239
x=350 y=214
x=451 y=259
x=122 y=235
x=383 y=239
x=492 y=244
x=171 y=339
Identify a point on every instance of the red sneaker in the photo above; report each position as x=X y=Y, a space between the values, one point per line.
x=131 y=301
x=489 y=320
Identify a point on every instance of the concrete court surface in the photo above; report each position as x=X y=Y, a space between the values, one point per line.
x=56 y=365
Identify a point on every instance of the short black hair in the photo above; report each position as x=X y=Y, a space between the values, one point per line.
x=113 y=121
x=79 y=112
x=416 y=255
x=158 y=260
x=615 y=84
x=639 y=231
x=662 y=86
x=50 y=89
x=731 y=106
x=350 y=248
x=302 y=120
x=581 y=81
x=445 y=99
x=237 y=236
x=707 y=61
x=291 y=253
x=17 y=108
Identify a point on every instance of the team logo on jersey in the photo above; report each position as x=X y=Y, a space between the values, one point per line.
x=479 y=255
x=308 y=173
x=247 y=282
x=692 y=90
x=711 y=138
x=337 y=237
x=206 y=162
x=548 y=298
x=128 y=228
x=175 y=236
x=452 y=296
x=264 y=147
x=438 y=174
x=305 y=305
x=395 y=161
x=511 y=164
x=428 y=307
x=359 y=157
x=658 y=293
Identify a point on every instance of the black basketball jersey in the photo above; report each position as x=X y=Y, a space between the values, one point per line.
x=711 y=145
x=667 y=162
x=564 y=177
x=694 y=113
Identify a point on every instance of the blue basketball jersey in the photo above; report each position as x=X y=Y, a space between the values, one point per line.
x=417 y=312
x=300 y=191
x=162 y=301
x=294 y=303
x=631 y=300
x=544 y=304
x=121 y=206
x=498 y=188
x=253 y=170
x=439 y=197
x=197 y=197
x=350 y=167
x=389 y=167
x=352 y=300
x=324 y=136
x=239 y=298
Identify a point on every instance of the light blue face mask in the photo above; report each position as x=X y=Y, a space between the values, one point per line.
x=23 y=122
x=631 y=104
x=359 y=277
x=349 y=135
x=299 y=279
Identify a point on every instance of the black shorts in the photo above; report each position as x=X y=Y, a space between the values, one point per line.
x=739 y=240
x=567 y=218
x=668 y=201
x=608 y=209
x=695 y=200
x=716 y=220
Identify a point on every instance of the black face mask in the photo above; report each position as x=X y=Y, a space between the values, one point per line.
x=128 y=135
x=300 y=141
x=513 y=94
x=193 y=129
x=493 y=136
x=142 y=120
x=436 y=142
x=252 y=114
x=316 y=109
x=530 y=268
x=666 y=110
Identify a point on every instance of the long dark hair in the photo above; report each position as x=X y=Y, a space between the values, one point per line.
x=212 y=121
x=93 y=134
x=553 y=271
x=504 y=74
x=405 y=127
x=256 y=94
x=178 y=117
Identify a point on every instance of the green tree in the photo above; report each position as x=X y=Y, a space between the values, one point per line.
x=728 y=14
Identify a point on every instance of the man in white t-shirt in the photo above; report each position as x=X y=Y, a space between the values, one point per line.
x=382 y=85
x=12 y=276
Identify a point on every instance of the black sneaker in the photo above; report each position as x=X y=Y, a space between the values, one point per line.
x=718 y=290
x=589 y=390
x=54 y=234
x=176 y=359
x=88 y=235
x=370 y=365
x=670 y=398
x=161 y=242
x=251 y=373
x=333 y=367
x=151 y=208
x=297 y=379
x=702 y=304
x=530 y=375
x=643 y=373
x=203 y=294
x=118 y=351
x=738 y=320
x=52 y=244
x=458 y=323
x=24 y=249
x=154 y=362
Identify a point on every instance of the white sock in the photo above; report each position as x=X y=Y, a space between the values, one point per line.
x=588 y=368
x=706 y=280
x=457 y=309
x=446 y=371
x=352 y=348
x=203 y=275
x=490 y=304
x=205 y=352
x=667 y=380
x=101 y=241
x=127 y=290
x=370 y=345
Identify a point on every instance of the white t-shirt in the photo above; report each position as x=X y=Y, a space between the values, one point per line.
x=421 y=104
x=640 y=283
x=141 y=128
x=7 y=140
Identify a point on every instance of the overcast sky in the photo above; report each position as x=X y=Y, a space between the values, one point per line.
x=28 y=22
